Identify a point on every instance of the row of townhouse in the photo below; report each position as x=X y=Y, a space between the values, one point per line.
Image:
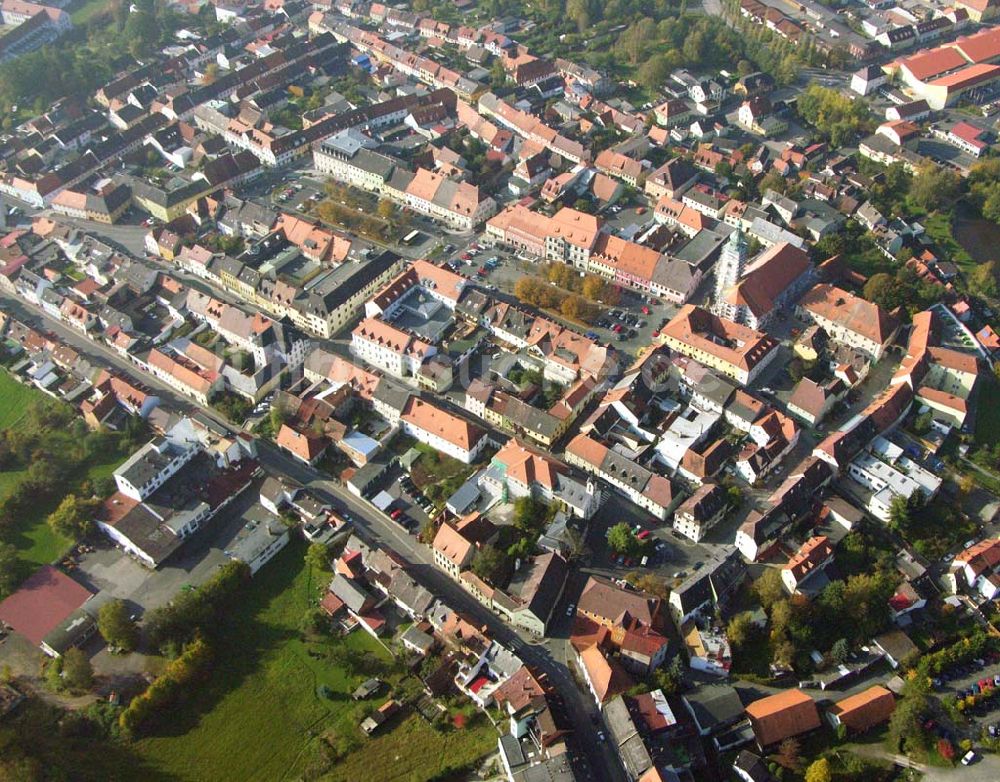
x=459 y=205
x=573 y=237
x=324 y=308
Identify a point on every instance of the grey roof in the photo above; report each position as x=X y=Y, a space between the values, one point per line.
x=703 y=248
x=355 y=597
x=392 y=394
x=343 y=283
x=417 y=637
x=147 y=532
x=714 y=705
x=716 y=389
x=72 y=630
x=624 y=733
x=406 y=591
x=539 y=584
x=465 y=497
x=717 y=577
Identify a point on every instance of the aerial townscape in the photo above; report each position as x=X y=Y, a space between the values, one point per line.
x=454 y=390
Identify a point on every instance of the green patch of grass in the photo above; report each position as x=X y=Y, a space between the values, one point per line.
x=37 y=543
x=14 y=400
x=415 y=751
x=259 y=716
x=987 y=415
x=88 y=10
x=938 y=227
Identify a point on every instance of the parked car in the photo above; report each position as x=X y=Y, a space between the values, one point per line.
x=570 y=609
x=969 y=758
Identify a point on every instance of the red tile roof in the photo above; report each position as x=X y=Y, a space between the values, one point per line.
x=42 y=603
x=781 y=716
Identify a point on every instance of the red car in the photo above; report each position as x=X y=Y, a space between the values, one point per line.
x=466 y=257
x=396 y=514
x=482 y=271
x=645 y=310
x=643 y=535
x=617 y=328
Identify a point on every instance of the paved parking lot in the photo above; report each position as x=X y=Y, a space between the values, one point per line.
x=673 y=553
x=632 y=337
x=406 y=499
x=961 y=679
x=111 y=570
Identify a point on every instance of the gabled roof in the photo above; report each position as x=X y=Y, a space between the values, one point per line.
x=782 y=715
x=865 y=709
x=768 y=277
x=437 y=421
x=606 y=675
x=452 y=544
x=851 y=312
x=618 y=606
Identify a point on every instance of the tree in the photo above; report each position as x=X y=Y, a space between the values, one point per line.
x=489 y=563
x=899 y=513
x=10 y=568
x=53 y=674
x=74 y=516
x=211 y=73
x=740 y=628
x=318 y=557
x=385 y=209
x=945 y=749
x=840 y=650
x=654 y=72
x=789 y=754
x=879 y=289
x=654 y=585
x=906 y=722
x=593 y=287
x=935 y=187
x=819 y=771
x=529 y=513
x=768 y=588
x=576 y=544
x=78 y=673
x=116 y=625
x=573 y=307
x=773 y=181
x=621 y=539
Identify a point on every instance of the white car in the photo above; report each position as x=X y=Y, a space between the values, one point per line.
x=570 y=609
x=969 y=758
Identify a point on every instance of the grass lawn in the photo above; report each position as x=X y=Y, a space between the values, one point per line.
x=987 y=415
x=14 y=398
x=36 y=542
x=258 y=715
x=414 y=751
x=86 y=10
x=437 y=474
x=938 y=227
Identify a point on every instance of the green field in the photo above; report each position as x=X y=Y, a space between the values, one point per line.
x=258 y=716
x=939 y=227
x=987 y=415
x=85 y=10
x=14 y=398
x=36 y=542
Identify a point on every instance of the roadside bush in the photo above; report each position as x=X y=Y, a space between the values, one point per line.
x=168 y=689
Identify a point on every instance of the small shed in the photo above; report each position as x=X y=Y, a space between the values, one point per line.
x=366 y=689
x=383 y=500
